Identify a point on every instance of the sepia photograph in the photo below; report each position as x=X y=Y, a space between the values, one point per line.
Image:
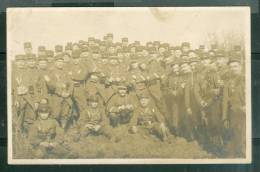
x=129 y=85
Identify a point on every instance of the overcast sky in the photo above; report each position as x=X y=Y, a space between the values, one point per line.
x=51 y=26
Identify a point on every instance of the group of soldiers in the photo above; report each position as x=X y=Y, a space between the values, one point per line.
x=91 y=87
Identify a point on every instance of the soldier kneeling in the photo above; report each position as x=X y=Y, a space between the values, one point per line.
x=92 y=119
x=148 y=118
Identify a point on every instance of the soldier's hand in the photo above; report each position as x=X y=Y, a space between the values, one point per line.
x=203 y=103
x=133 y=129
x=204 y=118
x=36 y=105
x=16 y=104
x=97 y=127
x=129 y=106
x=221 y=82
x=65 y=94
x=174 y=92
x=189 y=112
x=45 y=144
x=53 y=144
x=46 y=78
x=226 y=124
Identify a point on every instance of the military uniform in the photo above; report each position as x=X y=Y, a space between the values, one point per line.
x=60 y=87
x=30 y=96
x=234 y=114
x=19 y=94
x=93 y=119
x=171 y=90
x=78 y=75
x=120 y=108
x=46 y=136
x=149 y=118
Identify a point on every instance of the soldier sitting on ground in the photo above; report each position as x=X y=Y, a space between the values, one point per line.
x=92 y=120
x=45 y=135
x=148 y=118
x=120 y=108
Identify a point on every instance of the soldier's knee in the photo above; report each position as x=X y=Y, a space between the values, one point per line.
x=39 y=153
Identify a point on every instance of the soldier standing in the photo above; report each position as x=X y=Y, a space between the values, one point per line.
x=19 y=91
x=30 y=95
x=60 y=87
x=171 y=90
x=43 y=70
x=234 y=116
x=186 y=102
x=78 y=74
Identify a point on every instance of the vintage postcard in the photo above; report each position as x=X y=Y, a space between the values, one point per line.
x=168 y=85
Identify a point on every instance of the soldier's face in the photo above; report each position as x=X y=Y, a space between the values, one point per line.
x=59 y=64
x=222 y=61
x=68 y=51
x=162 y=50
x=31 y=63
x=44 y=116
x=134 y=65
x=91 y=43
x=111 y=50
x=178 y=53
x=125 y=43
x=50 y=59
x=94 y=77
x=113 y=62
x=76 y=61
x=104 y=61
x=176 y=69
x=235 y=68
x=41 y=53
x=110 y=39
x=206 y=62
x=185 y=49
x=28 y=50
x=144 y=102
x=145 y=53
x=120 y=55
x=118 y=47
x=185 y=57
x=102 y=48
x=143 y=66
x=20 y=63
x=122 y=92
x=149 y=45
x=43 y=64
x=84 y=54
x=192 y=55
x=94 y=104
x=193 y=65
x=66 y=58
x=185 y=68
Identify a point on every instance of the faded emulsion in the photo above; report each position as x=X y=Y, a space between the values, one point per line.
x=107 y=96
